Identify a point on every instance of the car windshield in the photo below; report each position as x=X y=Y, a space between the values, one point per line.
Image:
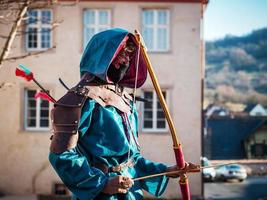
x=206 y=162
x=233 y=167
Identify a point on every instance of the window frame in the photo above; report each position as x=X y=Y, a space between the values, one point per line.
x=155 y=27
x=96 y=26
x=38 y=112
x=39 y=25
x=154 y=128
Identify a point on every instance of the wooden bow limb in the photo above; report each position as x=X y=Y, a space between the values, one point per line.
x=177 y=147
x=181 y=171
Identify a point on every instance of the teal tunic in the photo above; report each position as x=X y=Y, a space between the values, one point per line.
x=104 y=137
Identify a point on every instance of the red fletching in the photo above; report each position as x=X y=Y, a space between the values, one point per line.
x=21 y=73
x=43 y=96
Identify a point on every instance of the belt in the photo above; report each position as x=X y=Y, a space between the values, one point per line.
x=118 y=168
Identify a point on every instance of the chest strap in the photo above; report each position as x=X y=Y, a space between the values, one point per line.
x=118 y=168
x=106 y=96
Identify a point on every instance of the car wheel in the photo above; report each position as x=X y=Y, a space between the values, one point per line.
x=206 y=179
x=240 y=180
x=222 y=178
x=209 y=178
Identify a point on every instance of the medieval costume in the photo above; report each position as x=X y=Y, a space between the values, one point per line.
x=96 y=126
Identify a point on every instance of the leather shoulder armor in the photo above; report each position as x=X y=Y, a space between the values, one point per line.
x=67 y=110
x=65 y=117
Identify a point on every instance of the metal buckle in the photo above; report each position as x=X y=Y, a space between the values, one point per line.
x=117 y=168
x=122 y=166
x=83 y=91
x=118 y=90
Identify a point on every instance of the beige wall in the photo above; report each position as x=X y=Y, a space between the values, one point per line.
x=24 y=154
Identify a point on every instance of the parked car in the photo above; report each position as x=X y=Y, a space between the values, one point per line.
x=208 y=174
x=233 y=171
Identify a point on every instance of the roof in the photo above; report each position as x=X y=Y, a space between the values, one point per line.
x=215 y=104
x=216 y=109
x=249 y=107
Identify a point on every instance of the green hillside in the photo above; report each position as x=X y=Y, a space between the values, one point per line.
x=236 y=68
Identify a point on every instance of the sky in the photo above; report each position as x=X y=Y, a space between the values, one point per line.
x=234 y=17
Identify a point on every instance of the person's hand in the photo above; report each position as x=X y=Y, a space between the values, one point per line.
x=118 y=184
x=191 y=167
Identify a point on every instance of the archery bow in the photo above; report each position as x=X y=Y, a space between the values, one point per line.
x=177 y=147
x=182 y=171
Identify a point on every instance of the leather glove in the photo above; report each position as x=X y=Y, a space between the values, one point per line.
x=173 y=169
x=189 y=167
x=118 y=184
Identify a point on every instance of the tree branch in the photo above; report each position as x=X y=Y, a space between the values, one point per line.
x=12 y=35
x=29 y=54
x=53 y=26
x=5 y=85
x=3 y=36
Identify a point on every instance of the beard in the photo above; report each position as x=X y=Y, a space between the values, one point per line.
x=117 y=74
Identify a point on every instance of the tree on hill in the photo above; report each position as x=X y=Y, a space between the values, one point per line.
x=238 y=66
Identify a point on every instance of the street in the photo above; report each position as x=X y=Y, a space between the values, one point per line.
x=253 y=188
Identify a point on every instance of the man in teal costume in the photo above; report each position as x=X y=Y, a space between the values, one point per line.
x=104 y=158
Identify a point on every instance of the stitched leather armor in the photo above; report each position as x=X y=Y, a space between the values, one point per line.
x=67 y=110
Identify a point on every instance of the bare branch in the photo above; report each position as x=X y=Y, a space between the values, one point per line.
x=54 y=25
x=7 y=22
x=11 y=5
x=69 y=4
x=41 y=5
x=4 y=5
x=9 y=17
x=10 y=13
x=29 y=54
x=3 y=36
x=5 y=85
x=13 y=32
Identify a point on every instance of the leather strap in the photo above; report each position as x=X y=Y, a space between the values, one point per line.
x=105 y=96
x=118 y=168
x=67 y=110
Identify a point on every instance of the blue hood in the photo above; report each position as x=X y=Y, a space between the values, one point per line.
x=101 y=50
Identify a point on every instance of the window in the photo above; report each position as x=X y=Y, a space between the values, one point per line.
x=95 y=21
x=38 y=30
x=153 y=115
x=155 y=29
x=36 y=112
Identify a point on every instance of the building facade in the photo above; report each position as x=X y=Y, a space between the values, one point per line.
x=241 y=137
x=171 y=30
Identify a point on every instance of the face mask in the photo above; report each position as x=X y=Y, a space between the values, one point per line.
x=116 y=74
x=121 y=63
